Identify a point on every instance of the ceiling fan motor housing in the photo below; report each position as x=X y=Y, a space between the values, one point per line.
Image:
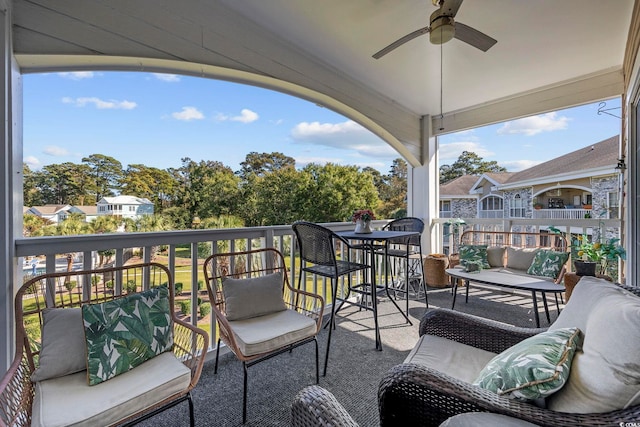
x=442 y=28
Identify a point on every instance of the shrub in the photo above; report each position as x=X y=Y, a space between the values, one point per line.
x=185 y=307
x=178 y=287
x=95 y=280
x=131 y=286
x=200 y=285
x=199 y=301
x=108 y=284
x=205 y=309
x=70 y=285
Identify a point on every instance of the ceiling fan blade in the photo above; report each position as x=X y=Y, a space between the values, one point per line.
x=400 y=42
x=474 y=37
x=450 y=7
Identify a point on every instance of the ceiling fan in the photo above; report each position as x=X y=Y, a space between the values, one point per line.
x=443 y=28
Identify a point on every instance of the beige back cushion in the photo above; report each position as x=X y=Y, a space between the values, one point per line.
x=253 y=297
x=604 y=375
x=495 y=256
x=520 y=258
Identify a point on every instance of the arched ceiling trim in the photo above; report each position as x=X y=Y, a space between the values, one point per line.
x=58 y=63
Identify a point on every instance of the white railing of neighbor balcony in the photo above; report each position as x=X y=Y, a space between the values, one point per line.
x=561 y=213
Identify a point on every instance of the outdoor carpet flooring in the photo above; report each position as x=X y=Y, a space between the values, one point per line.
x=355 y=367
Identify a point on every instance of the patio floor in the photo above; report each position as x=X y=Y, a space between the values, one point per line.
x=355 y=367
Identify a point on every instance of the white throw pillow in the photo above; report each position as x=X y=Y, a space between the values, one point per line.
x=604 y=375
x=63 y=347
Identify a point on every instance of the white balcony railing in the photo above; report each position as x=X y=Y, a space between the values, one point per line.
x=183 y=244
x=561 y=213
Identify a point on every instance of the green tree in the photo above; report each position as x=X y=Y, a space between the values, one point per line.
x=468 y=163
x=335 y=191
x=64 y=183
x=393 y=193
x=206 y=188
x=279 y=197
x=33 y=225
x=106 y=174
x=155 y=184
x=262 y=164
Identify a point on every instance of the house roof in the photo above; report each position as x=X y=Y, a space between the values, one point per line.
x=595 y=156
x=125 y=200
x=87 y=210
x=48 y=209
x=458 y=187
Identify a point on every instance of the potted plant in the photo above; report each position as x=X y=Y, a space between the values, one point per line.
x=596 y=257
x=362 y=219
x=538 y=205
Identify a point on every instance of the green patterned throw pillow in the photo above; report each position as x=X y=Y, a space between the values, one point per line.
x=534 y=368
x=548 y=263
x=474 y=257
x=123 y=333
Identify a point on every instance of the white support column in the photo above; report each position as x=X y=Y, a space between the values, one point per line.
x=423 y=188
x=10 y=184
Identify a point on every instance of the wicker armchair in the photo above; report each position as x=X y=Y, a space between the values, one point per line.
x=260 y=337
x=411 y=394
x=314 y=406
x=74 y=289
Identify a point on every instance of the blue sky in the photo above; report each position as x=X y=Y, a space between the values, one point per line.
x=157 y=119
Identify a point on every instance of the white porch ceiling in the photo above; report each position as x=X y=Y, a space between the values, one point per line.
x=550 y=54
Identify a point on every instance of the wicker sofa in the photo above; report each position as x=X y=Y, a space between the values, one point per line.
x=434 y=383
x=513 y=252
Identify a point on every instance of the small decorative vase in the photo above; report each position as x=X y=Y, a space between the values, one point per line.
x=585 y=268
x=363 y=227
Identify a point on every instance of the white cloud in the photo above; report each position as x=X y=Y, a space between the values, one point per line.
x=347 y=135
x=246 y=116
x=171 y=78
x=449 y=152
x=187 y=114
x=100 y=104
x=32 y=161
x=77 y=75
x=535 y=124
x=54 y=150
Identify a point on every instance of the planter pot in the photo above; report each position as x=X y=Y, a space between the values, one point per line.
x=585 y=268
x=363 y=227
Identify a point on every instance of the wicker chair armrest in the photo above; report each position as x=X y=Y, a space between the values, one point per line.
x=411 y=394
x=314 y=406
x=190 y=345
x=475 y=331
x=16 y=393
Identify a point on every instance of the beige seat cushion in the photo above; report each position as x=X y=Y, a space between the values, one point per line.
x=69 y=401
x=457 y=360
x=604 y=375
x=273 y=331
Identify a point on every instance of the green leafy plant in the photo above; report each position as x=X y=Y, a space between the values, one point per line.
x=601 y=252
x=70 y=285
x=95 y=280
x=108 y=284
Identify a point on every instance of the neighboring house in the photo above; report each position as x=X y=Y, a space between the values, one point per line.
x=584 y=183
x=90 y=212
x=125 y=206
x=52 y=213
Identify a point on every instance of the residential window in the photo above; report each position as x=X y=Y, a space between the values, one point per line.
x=613 y=204
x=445 y=209
x=491 y=207
x=517 y=209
